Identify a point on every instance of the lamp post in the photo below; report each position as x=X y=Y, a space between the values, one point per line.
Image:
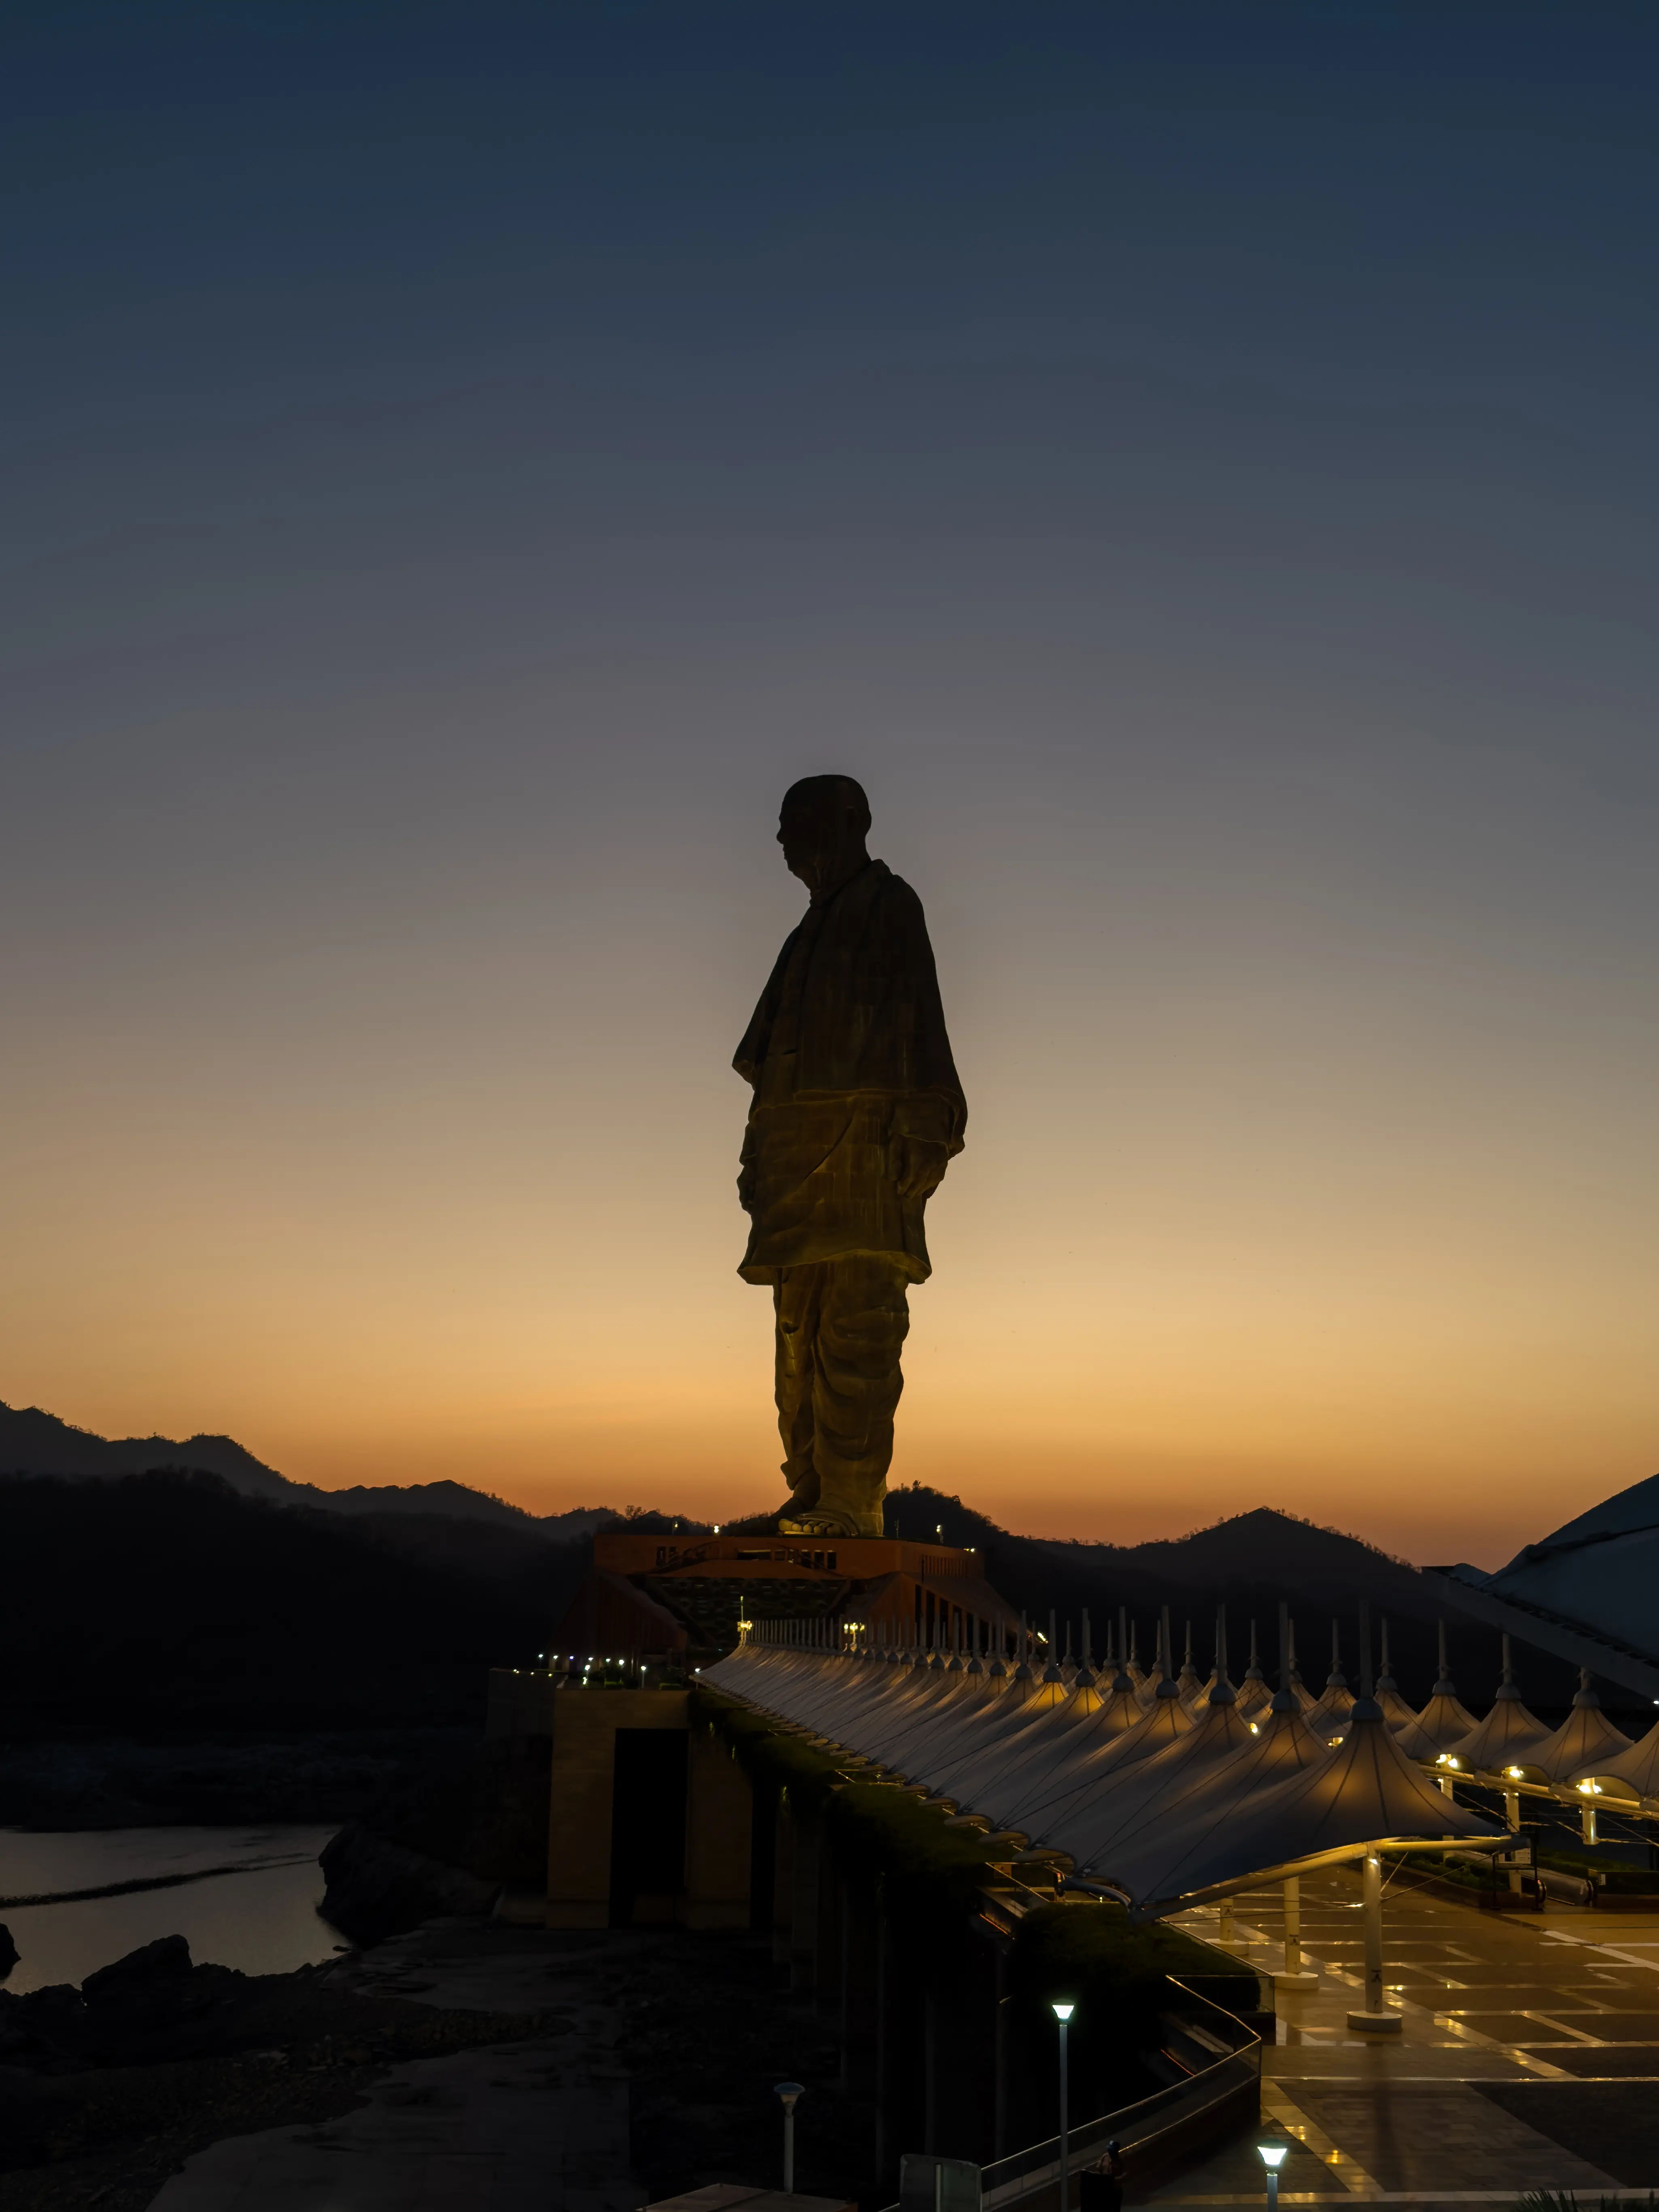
x=1273 y=2157
x=789 y=2091
x=1063 y=2014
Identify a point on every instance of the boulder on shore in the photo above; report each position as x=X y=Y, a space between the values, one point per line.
x=378 y=1888
x=442 y=1840
x=151 y=2005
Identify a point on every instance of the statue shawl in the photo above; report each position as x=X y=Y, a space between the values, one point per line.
x=870 y=1015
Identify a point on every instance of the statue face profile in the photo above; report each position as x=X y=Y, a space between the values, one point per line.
x=821 y=826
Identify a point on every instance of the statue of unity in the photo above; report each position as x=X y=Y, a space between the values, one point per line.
x=857 y=1111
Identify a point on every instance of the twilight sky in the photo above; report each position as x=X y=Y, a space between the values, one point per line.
x=1195 y=464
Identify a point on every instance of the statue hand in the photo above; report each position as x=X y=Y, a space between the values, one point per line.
x=921 y=1164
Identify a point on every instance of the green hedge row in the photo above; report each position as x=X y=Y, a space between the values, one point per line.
x=1096 y=1955
x=881 y=1834
x=1115 y=1973
x=769 y=1753
x=1622 y=1878
x=892 y=1840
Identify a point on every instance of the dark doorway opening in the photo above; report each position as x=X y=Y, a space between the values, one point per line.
x=763 y=1858
x=648 y=1827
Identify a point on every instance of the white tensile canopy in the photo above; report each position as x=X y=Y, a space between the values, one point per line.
x=1336 y=1701
x=1584 y=1740
x=1254 y=1692
x=1367 y=1794
x=1635 y=1773
x=1084 y=1724
x=1508 y=1736
x=1283 y=1746
x=1150 y=1793
x=1167 y=1811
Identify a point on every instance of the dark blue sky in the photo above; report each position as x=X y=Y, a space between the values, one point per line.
x=1196 y=463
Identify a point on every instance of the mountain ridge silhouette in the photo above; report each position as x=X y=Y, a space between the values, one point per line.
x=35 y=1443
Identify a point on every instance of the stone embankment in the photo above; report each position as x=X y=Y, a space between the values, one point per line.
x=445 y=1837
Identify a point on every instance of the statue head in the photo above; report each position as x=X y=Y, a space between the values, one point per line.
x=821 y=827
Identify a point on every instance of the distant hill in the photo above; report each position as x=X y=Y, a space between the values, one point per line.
x=36 y=1443
x=455 y=1501
x=171 y=1601
x=1248 y=1563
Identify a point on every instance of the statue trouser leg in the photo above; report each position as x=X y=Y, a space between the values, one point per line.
x=840 y=1328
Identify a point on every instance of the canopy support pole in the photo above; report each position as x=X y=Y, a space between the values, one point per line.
x=1376 y=2019
x=1295 y=1975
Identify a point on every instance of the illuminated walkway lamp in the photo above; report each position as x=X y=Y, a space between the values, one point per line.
x=790 y=2092
x=1273 y=2157
x=1063 y=2014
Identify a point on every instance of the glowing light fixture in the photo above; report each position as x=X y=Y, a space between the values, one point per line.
x=1273 y=2157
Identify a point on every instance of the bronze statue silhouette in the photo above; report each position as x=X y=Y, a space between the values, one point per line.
x=857 y=1112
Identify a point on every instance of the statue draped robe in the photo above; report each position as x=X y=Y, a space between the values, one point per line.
x=849 y=1058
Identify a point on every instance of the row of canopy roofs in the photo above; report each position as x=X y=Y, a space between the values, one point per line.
x=1165 y=1790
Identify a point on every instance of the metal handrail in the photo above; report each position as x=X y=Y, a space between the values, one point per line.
x=1024 y=2173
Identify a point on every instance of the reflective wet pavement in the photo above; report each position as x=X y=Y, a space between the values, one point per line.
x=1527 y=2056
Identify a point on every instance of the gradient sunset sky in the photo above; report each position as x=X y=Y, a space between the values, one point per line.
x=1194 y=464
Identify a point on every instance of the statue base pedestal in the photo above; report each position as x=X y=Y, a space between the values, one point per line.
x=816 y=1524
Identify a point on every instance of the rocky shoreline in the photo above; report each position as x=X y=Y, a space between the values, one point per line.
x=616 y=2068
x=105 y=2091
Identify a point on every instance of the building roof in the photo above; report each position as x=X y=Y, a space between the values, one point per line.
x=1584 y=1592
x=1624 y=1514
x=1168 y=1813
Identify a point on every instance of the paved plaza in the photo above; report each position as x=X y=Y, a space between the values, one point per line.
x=1528 y=2059
x=1528 y=2055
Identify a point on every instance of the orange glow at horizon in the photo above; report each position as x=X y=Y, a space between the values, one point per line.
x=1200 y=486
x=1181 y=1280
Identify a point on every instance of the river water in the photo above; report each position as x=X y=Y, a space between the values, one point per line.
x=260 y=1915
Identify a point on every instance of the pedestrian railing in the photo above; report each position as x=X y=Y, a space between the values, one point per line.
x=1144 y=2132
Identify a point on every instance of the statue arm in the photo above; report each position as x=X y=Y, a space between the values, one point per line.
x=925 y=1136
x=919 y=1165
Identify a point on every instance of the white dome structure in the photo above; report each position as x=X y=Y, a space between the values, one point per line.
x=1584 y=1593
